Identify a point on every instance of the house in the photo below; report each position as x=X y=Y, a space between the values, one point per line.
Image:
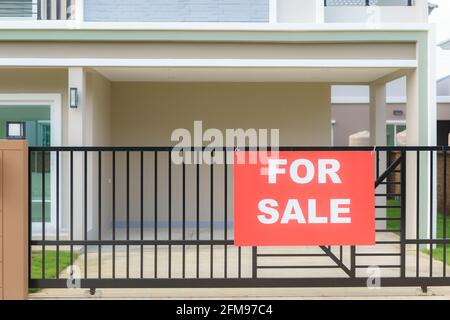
x=350 y=111
x=97 y=77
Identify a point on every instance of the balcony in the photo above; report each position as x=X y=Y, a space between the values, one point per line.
x=217 y=11
x=37 y=9
x=366 y=3
x=375 y=11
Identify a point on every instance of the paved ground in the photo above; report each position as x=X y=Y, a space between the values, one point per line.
x=241 y=264
x=436 y=293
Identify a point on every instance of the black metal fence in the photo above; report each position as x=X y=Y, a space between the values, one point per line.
x=38 y=9
x=130 y=217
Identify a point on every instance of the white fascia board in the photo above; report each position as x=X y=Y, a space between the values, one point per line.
x=205 y=26
x=364 y=100
x=395 y=99
x=209 y=63
x=443 y=99
x=350 y=100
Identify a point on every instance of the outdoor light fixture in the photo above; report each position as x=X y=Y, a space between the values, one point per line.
x=15 y=130
x=398 y=113
x=73 y=97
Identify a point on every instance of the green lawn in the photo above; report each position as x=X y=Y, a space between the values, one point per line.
x=438 y=251
x=50 y=264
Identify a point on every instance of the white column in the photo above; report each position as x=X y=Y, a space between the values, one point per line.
x=77 y=116
x=79 y=11
x=378 y=138
x=417 y=129
x=76 y=136
x=413 y=139
x=378 y=114
x=273 y=8
x=320 y=11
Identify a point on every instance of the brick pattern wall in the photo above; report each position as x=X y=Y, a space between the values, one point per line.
x=440 y=180
x=440 y=183
x=177 y=10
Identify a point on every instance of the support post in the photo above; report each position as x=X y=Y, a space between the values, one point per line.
x=378 y=138
x=13 y=220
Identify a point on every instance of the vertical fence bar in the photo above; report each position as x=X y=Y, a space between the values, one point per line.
x=198 y=215
x=184 y=214
x=225 y=210
x=239 y=262
x=156 y=213
x=211 y=228
x=353 y=261
x=254 y=262
x=431 y=212
x=71 y=206
x=58 y=9
x=43 y=210
x=39 y=10
x=403 y=216
x=85 y=213
x=377 y=152
x=170 y=213
x=128 y=213
x=142 y=212
x=444 y=231
x=69 y=9
x=57 y=214
x=49 y=10
x=113 y=213
x=99 y=213
x=418 y=214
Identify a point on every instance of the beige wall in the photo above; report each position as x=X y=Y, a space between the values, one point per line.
x=147 y=113
x=350 y=118
x=37 y=81
x=99 y=109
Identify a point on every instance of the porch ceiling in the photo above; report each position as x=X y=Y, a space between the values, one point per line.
x=246 y=74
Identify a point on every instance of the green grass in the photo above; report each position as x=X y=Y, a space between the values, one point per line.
x=438 y=251
x=50 y=264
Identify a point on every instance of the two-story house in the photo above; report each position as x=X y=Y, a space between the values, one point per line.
x=128 y=73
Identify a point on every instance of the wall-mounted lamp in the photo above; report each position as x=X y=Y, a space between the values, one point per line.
x=398 y=113
x=15 y=130
x=73 y=97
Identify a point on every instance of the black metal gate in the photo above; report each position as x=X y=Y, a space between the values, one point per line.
x=129 y=217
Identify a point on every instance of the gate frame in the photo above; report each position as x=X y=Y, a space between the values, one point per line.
x=254 y=281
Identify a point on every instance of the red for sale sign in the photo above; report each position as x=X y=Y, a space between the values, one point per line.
x=304 y=198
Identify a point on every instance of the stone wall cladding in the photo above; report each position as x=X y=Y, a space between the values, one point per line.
x=177 y=10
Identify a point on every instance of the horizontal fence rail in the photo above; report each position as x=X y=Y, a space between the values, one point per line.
x=341 y=3
x=38 y=9
x=131 y=217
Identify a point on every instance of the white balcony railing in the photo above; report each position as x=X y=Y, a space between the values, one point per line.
x=368 y=3
x=38 y=9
